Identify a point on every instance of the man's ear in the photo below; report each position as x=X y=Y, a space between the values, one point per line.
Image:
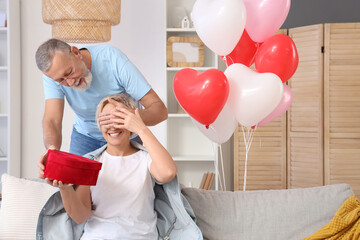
x=75 y=51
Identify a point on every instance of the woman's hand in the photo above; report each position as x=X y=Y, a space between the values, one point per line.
x=124 y=118
x=106 y=120
x=56 y=183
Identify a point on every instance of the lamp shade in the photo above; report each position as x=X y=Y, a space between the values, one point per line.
x=71 y=168
x=81 y=21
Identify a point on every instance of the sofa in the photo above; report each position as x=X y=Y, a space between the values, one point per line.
x=221 y=215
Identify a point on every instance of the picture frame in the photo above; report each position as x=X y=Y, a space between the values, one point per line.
x=184 y=52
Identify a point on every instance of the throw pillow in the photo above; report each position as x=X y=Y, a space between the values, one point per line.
x=290 y=214
x=22 y=201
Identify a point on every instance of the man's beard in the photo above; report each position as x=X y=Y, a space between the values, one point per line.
x=86 y=83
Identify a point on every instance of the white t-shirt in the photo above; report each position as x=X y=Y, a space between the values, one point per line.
x=123 y=199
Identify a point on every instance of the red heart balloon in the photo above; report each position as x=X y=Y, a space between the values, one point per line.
x=201 y=94
x=244 y=52
x=277 y=55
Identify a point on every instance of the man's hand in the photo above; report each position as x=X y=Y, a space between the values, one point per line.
x=105 y=120
x=42 y=163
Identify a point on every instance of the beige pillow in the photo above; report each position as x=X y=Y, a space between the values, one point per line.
x=22 y=201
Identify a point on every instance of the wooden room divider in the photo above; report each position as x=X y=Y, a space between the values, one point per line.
x=342 y=104
x=318 y=141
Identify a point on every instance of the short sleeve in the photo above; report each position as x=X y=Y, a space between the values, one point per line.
x=148 y=160
x=133 y=81
x=51 y=89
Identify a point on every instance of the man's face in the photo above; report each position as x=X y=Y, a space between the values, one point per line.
x=69 y=70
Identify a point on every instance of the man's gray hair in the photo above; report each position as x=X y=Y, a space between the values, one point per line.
x=45 y=53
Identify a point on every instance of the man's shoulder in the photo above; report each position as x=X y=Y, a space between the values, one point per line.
x=104 y=49
x=107 y=52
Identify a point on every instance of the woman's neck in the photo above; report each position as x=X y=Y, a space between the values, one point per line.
x=124 y=149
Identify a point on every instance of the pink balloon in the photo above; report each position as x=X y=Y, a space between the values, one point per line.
x=265 y=17
x=281 y=108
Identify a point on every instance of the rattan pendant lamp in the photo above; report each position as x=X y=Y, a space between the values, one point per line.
x=81 y=21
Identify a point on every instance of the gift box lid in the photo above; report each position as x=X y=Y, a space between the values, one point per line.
x=72 y=160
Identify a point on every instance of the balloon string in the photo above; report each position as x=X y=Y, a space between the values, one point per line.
x=224 y=59
x=218 y=179
x=248 y=138
x=222 y=166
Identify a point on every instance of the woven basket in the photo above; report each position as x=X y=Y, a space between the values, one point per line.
x=81 y=21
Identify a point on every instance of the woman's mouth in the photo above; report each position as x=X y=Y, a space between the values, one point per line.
x=114 y=134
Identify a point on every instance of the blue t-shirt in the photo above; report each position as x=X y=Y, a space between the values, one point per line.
x=113 y=73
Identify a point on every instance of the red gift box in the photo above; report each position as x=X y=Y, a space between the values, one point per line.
x=71 y=168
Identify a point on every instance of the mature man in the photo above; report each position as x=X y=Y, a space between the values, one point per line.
x=84 y=76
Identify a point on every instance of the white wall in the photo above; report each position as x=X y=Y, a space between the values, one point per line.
x=140 y=35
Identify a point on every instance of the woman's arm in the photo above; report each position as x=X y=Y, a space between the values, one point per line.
x=77 y=203
x=163 y=167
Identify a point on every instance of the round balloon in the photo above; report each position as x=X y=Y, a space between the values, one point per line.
x=244 y=51
x=278 y=55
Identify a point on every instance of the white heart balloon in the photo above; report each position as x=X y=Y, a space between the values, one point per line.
x=222 y=128
x=219 y=23
x=252 y=95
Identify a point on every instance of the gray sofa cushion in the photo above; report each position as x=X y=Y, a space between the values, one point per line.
x=265 y=214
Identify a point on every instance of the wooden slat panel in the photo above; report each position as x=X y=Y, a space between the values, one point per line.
x=342 y=104
x=266 y=168
x=305 y=116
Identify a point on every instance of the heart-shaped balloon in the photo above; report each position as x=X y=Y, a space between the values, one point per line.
x=265 y=17
x=278 y=55
x=219 y=23
x=222 y=129
x=283 y=106
x=244 y=51
x=252 y=95
x=201 y=94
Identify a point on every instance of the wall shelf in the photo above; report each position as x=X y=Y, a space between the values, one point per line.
x=193 y=152
x=201 y=69
x=179 y=115
x=180 y=30
x=195 y=158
